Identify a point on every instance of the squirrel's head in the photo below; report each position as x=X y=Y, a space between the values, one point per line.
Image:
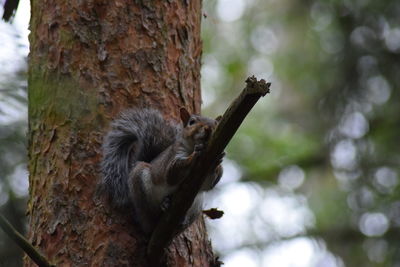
x=197 y=129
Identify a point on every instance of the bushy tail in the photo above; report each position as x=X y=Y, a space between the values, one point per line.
x=137 y=135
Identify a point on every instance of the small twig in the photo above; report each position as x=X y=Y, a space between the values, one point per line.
x=184 y=197
x=24 y=244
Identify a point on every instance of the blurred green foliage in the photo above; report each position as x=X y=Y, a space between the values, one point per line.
x=333 y=110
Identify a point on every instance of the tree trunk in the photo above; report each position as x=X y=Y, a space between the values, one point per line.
x=88 y=61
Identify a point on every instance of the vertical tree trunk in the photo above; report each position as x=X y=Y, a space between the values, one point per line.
x=89 y=60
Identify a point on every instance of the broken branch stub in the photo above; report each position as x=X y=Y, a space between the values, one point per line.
x=182 y=200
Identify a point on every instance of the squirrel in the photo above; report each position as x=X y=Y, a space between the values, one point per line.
x=145 y=158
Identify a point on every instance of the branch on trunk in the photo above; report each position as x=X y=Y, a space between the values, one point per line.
x=9 y=7
x=24 y=244
x=183 y=199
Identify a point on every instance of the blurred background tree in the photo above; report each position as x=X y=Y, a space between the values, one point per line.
x=13 y=127
x=311 y=179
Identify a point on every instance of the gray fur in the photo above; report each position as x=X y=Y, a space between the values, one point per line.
x=137 y=135
x=145 y=158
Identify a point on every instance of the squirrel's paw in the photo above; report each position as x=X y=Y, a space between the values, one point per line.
x=198 y=149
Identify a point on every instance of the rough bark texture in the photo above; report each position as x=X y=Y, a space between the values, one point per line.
x=89 y=60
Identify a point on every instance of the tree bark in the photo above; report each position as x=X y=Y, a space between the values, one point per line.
x=88 y=61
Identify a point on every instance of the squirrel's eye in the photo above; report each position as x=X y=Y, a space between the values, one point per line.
x=192 y=121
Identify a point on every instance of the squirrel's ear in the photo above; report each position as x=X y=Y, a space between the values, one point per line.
x=185 y=115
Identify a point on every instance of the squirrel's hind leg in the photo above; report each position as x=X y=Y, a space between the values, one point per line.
x=140 y=189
